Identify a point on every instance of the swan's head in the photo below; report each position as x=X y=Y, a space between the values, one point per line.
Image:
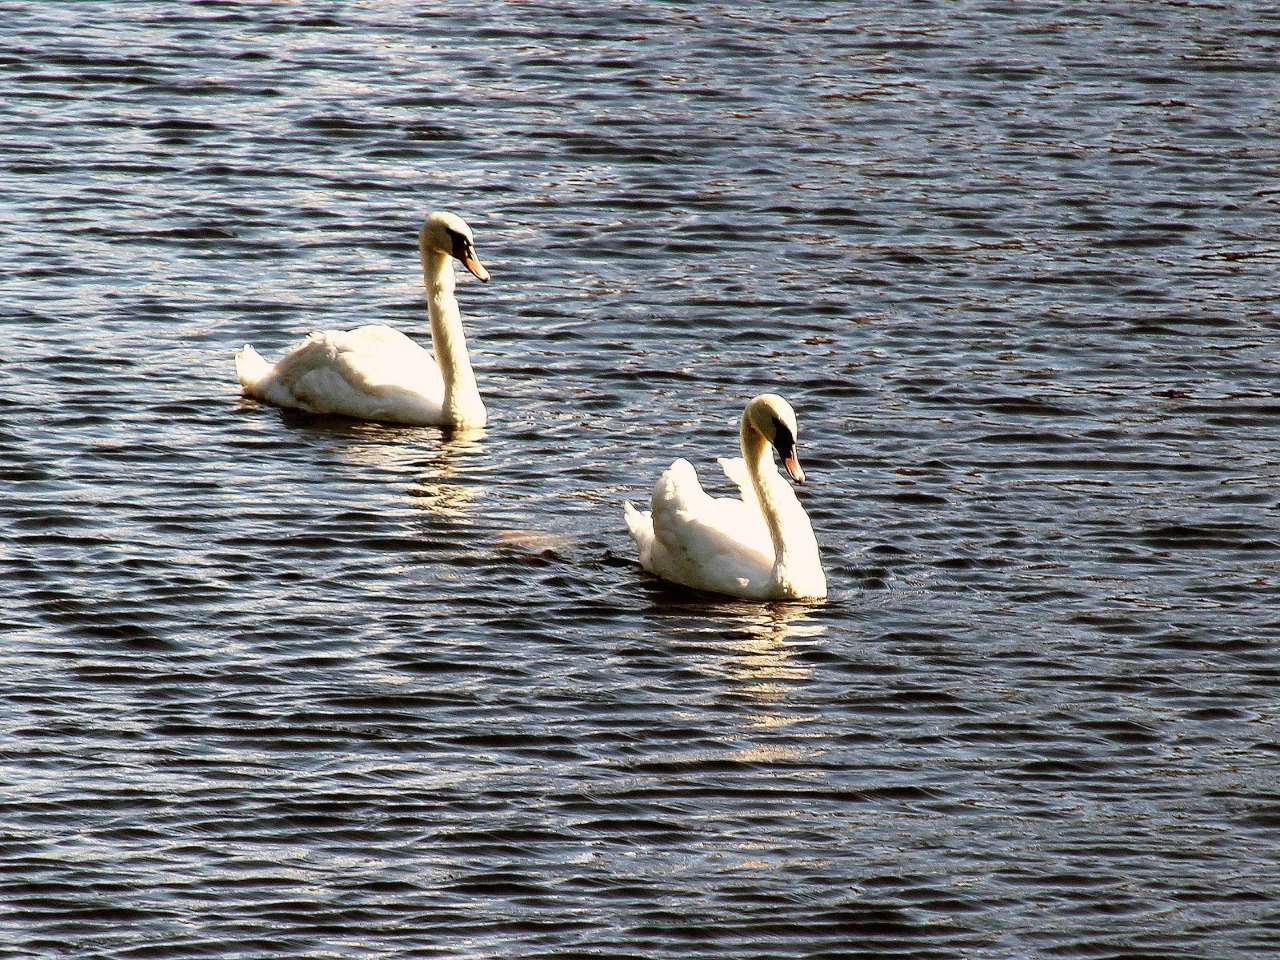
x=774 y=419
x=449 y=234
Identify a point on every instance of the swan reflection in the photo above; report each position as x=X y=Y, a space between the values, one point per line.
x=764 y=648
x=437 y=490
x=757 y=645
x=430 y=460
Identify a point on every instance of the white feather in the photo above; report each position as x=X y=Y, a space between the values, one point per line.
x=375 y=372
x=725 y=545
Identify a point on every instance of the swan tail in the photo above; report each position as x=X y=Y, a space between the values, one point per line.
x=251 y=369
x=641 y=527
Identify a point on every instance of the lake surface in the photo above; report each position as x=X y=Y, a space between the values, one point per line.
x=280 y=686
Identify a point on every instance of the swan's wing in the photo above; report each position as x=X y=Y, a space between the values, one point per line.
x=313 y=353
x=710 y=543
x=377 y=357
x=373 y=337
x=373 y=372
x=640 y=525
x=369 y=357
x=735 y=469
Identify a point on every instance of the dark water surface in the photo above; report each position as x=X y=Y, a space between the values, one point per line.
x=280 y=686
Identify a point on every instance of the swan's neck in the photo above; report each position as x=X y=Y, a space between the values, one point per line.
x=755 y=451
x=462 y=405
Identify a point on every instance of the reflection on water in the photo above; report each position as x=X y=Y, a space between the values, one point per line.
x=764 y=649
x=753 y=645
x=438 y=491
x=539 y=543
x=433 y=460
x=1010 y=267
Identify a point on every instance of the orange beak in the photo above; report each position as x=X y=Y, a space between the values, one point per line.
x=472 y=263
x=792 y=463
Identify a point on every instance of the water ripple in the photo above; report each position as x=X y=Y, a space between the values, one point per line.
x=280 y=685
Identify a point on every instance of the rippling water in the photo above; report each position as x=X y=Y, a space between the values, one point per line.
x=278 y=685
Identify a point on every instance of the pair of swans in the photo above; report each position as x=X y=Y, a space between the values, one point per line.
x=760 y=547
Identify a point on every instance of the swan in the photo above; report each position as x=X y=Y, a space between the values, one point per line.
x=761 y=547
x=377 y=373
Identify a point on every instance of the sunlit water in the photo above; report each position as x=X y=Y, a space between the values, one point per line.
x=277 y=685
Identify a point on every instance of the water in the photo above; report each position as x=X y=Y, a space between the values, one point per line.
x=278 y=685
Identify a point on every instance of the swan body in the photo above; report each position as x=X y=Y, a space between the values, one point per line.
x=760 y=547
x=377 y=373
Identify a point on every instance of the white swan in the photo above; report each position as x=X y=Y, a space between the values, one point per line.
x=377 y=373
x=761 y=547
